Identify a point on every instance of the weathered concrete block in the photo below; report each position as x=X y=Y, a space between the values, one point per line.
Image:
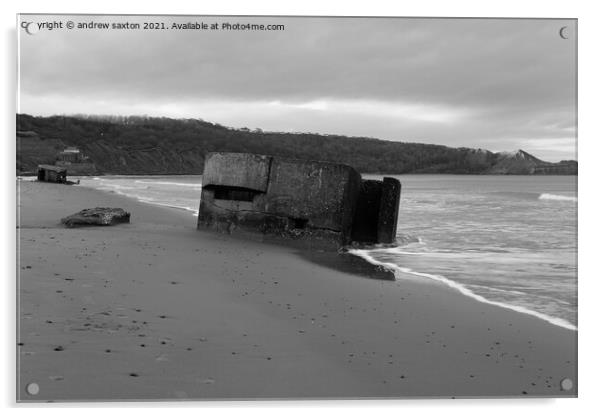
x=321 y=195
x=237 y=170
x=97 y=216
x=388 y=211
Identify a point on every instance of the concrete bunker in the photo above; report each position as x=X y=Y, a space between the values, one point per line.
x=50 y=173
x=323 y=204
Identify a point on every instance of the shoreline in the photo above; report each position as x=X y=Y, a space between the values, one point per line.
x=562 y=323
x=276 y=322
x=391 y=268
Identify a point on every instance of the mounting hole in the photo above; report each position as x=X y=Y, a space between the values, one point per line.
x=566 y=384
x=32 y=389
x=32 y=28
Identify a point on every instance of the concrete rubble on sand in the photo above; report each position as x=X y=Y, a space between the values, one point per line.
x=326 y=205
x=97 y=216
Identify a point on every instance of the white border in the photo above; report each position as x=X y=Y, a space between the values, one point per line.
x=590 y=288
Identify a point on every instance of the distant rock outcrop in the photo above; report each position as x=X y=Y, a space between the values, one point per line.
x=520 y=162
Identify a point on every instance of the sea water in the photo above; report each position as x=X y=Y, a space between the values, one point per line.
x=505 y=240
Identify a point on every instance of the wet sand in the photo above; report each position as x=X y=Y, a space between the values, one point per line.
x=156 y=310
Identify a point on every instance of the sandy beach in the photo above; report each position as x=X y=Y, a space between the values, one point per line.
x=156 y=310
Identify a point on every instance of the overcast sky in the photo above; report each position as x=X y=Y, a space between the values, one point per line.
x=494 y=84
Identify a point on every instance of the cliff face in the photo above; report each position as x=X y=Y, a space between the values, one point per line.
x=165 y=160
x=108 y=158
x=33 y=151
x=138 y=145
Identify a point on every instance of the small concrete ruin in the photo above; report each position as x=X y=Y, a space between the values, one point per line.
x=51 y=173
x=325 y=205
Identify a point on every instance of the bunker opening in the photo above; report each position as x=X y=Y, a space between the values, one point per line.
x=298 y=223
x=232 y=193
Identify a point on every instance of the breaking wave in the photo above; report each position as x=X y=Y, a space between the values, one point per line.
x=554 y=197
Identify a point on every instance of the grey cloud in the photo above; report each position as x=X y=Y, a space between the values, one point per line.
x=517 y=77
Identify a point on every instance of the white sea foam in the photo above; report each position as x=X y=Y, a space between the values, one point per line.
x=117 y=187
x=192 y=185
x=365 y=254
x=152 y=201
x=494 y=289
x=554 y=197
x=136 y=190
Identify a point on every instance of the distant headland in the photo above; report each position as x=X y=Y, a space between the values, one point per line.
x=136 y=145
